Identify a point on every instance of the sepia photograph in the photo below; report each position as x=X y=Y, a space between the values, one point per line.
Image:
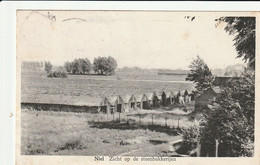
x=149 y=84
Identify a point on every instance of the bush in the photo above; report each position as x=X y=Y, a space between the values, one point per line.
x=190 y=138
x=59 y=73
x=48 y=66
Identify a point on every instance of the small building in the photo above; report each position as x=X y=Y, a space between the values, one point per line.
x=169 y=97
x=104 y=106
x=142 y=101
x=184 y=97
x=161 y=97
x=176 y=95
x=189 y=97
x=206 y=98
x=184 y=93
x=130 y=102
x=117 y=104
x=191 y=94
x=181 y=100
x=164 y=99
x=152 y=100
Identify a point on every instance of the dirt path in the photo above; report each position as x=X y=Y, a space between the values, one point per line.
x=176 y=139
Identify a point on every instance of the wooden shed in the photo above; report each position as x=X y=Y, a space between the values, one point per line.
x=184 y=96
x=161 y=97
x=191 y=94
x=105 y=105
x=184 y=93
x=130 y=102
x=206 y=98
x=176 y=96
x=142 y=101
x=117 y=104
x=189 y=97
x=169 y=97
x=153 y=100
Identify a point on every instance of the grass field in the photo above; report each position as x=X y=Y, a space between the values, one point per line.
x=67 y=133
x=137 y=133
x=87 y=89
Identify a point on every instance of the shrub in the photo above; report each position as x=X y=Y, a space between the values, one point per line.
x=59 y=73
x=190 y=138
x=48 y=66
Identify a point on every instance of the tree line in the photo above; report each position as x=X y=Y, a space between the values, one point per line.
x=101 y=66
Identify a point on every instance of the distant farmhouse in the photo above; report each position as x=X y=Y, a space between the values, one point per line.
x=208 y=96
x=168 y=72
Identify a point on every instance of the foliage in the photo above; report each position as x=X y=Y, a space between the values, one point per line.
x=104 y=65
x=78 y=66
x=200 y=74
x=68 y=66
x=112 y=65
x=244 y=30
x=231 y=119
x=234 y=70
x=85 y=65
x=190 y=137
x=47 y=66
x=59 y=73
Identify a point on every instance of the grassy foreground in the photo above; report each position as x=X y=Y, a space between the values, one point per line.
x=67 y=133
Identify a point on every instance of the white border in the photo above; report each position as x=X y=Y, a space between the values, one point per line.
x=8 y=45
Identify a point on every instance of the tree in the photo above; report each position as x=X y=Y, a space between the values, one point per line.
x=231 y=119
x=48 y=66
x=200 y=74
x=85 y=65
x=100 y=65
x=234 y=70
x=68 y=66
x=78 y=66
x=103 y=65
x=76 y=69
x=59 y=72
x=243 y=28
x=112 y=65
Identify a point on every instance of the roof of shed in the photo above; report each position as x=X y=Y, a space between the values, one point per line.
x=168 y=93
x=139 y=97
x=150 y=95
x=175 y=93
x=183 y=92
x=126 y=98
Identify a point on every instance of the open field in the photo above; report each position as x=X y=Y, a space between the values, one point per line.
x=87 y=89
x=136 y=133
x=67 y=133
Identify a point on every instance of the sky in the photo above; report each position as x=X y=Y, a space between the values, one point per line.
x=134 y=38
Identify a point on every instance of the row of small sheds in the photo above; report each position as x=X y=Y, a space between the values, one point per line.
x=143 y=101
